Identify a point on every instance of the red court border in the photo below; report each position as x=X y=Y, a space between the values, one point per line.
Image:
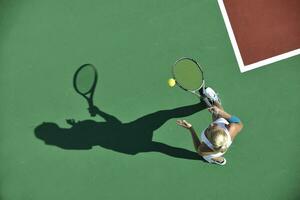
x=242 y=66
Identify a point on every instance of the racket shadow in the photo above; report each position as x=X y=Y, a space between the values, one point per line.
x=129 y=138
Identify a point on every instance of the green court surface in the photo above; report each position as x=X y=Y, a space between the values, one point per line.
x=133 y=44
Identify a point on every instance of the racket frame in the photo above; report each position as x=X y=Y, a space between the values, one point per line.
x=91 y=91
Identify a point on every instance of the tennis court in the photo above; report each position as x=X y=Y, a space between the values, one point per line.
x=133 y=45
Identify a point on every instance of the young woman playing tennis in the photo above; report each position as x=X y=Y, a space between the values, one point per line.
x=218 y=136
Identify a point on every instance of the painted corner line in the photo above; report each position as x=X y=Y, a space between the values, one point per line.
x=242 y=66
x=268 y=61
x=231 y=36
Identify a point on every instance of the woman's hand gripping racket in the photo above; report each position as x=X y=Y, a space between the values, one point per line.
x=188 y=75
x=84 y=82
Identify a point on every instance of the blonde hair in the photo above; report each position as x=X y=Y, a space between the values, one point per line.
x=217 y=137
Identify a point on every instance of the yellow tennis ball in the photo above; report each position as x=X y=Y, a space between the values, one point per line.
x=171 y=82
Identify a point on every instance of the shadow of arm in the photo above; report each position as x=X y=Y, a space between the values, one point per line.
x=107 y=117
x=155 y=120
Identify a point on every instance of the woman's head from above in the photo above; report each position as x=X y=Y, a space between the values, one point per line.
x=218 y=138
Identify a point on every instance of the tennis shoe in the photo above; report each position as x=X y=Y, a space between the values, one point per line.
x=211 y=95
x=219 y=162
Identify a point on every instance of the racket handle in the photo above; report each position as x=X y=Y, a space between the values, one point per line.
x=91 y=108
x=207 y=102
x=93 y=114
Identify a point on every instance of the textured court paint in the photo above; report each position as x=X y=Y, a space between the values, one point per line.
x=262 y=32
x=134 y=44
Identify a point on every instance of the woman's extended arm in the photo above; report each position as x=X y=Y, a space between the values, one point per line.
x=214 y=116
x=107 y=117
x=219 y=112
x=200 y=147
x=235 y=125
x=189 y=126
x=195 y=138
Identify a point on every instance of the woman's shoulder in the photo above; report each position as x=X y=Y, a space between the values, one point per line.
x=203 y=149
x=221 y=121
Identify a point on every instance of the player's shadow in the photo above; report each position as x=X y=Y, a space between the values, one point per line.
x=129 y=138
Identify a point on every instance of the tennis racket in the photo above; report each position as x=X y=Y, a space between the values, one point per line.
x=84 y=82
x=188 y=75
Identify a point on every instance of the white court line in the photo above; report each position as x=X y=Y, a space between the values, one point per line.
x=244 y=68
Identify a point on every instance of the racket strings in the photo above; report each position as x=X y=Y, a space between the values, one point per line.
x=85 y=79
x=188 y=74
